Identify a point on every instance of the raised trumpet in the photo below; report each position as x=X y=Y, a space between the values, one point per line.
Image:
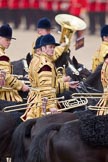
x=69 y=25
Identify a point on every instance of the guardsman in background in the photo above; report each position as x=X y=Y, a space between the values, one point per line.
x=43 y=27
x=100 y=54
x=78 y=8
x=44 y=81
x=4 y=11
x=10 y=85
x=24 y=6
x=97 y=10
x=34 y=12
x=15 y=12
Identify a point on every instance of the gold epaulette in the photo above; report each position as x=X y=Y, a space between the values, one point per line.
x=44 y=60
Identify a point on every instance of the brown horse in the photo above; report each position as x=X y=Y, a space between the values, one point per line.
x=66 y=142
x=26 y=131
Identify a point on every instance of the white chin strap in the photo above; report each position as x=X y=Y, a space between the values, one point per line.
x=25 y=65
x=76 y=72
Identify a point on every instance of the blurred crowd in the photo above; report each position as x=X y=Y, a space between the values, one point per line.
x=30 y=11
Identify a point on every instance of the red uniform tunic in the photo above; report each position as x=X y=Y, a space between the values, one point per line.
x=13 y=4
x=3 y=4
x=76 y=6
x=34 y=4
x=4 y=11
x=24 y=4
x=97 y=5
x=55 y=5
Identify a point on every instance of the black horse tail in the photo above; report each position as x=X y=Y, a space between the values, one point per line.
x=23 y=131
x=37 y=151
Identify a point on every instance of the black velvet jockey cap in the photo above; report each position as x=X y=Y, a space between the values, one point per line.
x=37 y=42
x=104 y=31
x=44 y=23
x=47 y=40
x=6 y=31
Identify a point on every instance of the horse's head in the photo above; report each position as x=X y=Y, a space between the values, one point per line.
x=28 y=58
x=76 y=70
x=19 y=67
x=63 y=59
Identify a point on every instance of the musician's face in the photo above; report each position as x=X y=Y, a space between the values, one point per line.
x=105 y=38
x=43 y=31
x=38 y=51
x=5 y=42
x=48 y=49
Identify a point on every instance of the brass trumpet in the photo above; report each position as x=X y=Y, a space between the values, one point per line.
x=69 y=24
x=73 y=103
x=20 y=107
x=87 y=95
x=60 y=71
x=66 y=104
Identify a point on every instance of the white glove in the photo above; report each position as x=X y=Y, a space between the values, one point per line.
x=66 y=40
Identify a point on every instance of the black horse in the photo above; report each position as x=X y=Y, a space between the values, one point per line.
x=89 y=82
x=64 y=59
x=74 y=69
x=25 y=132
x=20 y=67
x=77 y=71
x=83 y=140
x=8 y=123
x=94 y=80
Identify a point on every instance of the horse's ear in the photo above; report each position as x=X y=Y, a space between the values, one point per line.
x=75 y=62
x=28 y=58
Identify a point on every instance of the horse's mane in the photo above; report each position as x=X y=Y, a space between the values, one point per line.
x=16 y=65
x=22 y=131
x=95 y=77
x=63 y=59
x=8 y=123
x=39 y=142
x=94 y=130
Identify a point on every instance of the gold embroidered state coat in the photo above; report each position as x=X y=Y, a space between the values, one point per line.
x=103 y=102
x=99 y=55
x=45 y=83
x=10 y=81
